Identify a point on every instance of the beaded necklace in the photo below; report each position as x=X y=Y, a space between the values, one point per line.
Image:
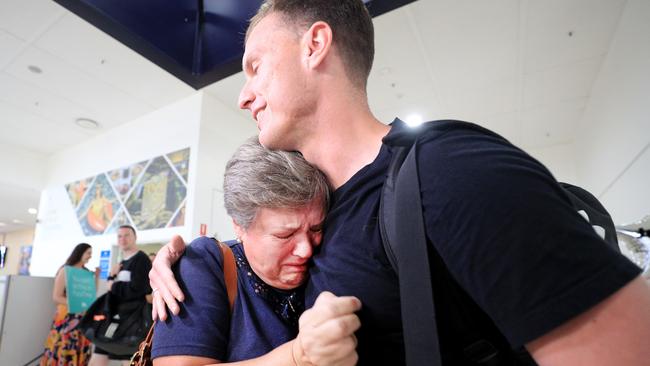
x=288 y=305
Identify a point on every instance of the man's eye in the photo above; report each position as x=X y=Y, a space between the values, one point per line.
x=283 y=236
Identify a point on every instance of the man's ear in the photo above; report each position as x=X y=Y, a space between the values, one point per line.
x=317 y=44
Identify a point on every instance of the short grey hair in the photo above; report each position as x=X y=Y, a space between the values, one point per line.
x=257 y=178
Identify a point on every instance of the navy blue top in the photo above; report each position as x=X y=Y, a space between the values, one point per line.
x=263 y=318
x=501 y=225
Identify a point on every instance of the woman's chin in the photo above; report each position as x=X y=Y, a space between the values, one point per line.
x=291 y=282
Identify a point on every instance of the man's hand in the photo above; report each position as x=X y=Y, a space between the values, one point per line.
x=327 y=332
x=161 y=278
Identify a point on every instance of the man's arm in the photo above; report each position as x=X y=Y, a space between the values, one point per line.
x=614 y=332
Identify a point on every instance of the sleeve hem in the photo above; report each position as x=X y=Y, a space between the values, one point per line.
x=571 y=303
x=188 y=350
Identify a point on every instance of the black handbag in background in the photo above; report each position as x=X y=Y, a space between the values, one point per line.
x=115 y=326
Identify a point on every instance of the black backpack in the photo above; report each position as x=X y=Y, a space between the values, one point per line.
x=403 y=234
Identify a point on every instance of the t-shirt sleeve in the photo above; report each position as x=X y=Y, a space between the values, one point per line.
x=510 y=236
x=202 y=327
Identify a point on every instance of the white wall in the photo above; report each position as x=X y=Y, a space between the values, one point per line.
x=611 y=148
x=222 y=131
x=168 y=129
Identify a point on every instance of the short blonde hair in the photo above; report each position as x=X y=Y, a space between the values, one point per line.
x=352 y=28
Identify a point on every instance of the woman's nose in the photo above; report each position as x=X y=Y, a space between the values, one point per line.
x=303 y=248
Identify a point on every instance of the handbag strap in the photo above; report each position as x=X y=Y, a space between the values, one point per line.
x=143 y=356
x=229 y=273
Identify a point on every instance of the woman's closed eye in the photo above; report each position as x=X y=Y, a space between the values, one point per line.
x=283 y=235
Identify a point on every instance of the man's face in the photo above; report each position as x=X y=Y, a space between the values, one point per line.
x=276 y=90
x=125 y=239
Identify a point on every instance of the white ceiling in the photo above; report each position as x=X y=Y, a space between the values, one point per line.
x=524 y=68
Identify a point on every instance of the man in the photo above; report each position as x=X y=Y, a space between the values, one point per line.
x=502 y=233
x=127 y=281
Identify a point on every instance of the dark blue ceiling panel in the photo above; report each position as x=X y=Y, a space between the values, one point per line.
x=198 y=41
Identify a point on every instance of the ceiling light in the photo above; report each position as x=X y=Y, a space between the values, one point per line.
x=2 y=224
x=34 y=69
x=414 y=120
x=87 y=123
x=16 y=221
x=32 y=211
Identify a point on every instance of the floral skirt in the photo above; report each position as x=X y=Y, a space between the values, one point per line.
x=65 y=345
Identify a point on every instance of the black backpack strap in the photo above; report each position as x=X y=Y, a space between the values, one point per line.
x=401 y=222
x=401 y=218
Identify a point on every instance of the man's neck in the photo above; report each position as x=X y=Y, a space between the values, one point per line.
x=347 y=139
x=128 y=253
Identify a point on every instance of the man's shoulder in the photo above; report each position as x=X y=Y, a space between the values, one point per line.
x=140 y=255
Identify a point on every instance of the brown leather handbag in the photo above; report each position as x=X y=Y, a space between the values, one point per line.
x=143 y=356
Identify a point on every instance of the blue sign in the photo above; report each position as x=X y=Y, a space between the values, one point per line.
x=104 y=263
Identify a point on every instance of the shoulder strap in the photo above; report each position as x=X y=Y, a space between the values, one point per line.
x=229 y=273
x=401 y=222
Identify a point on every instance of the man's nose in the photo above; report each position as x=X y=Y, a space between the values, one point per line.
x=246 y=97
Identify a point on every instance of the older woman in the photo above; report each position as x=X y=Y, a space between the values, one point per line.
x=277 y=202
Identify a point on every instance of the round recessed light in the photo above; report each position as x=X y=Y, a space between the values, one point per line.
x=87 y=123
x=35 y=69
x=16 y=221
x=414 y=120
x=32 y=211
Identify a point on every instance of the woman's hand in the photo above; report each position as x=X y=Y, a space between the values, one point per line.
x=327 y=332
x=162 y=281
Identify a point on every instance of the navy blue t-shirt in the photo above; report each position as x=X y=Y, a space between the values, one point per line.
x=500 y=224
x=204 y=327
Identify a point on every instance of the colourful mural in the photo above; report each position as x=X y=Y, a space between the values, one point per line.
x=77 y=190
x=149 y=194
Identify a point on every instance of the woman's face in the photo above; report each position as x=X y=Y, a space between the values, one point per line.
x=86 y=256
x=280 y=241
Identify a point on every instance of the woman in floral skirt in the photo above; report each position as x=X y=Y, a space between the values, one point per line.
x=65 y=345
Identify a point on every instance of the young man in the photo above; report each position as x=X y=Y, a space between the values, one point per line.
x=127 y=281
x=530 y=270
